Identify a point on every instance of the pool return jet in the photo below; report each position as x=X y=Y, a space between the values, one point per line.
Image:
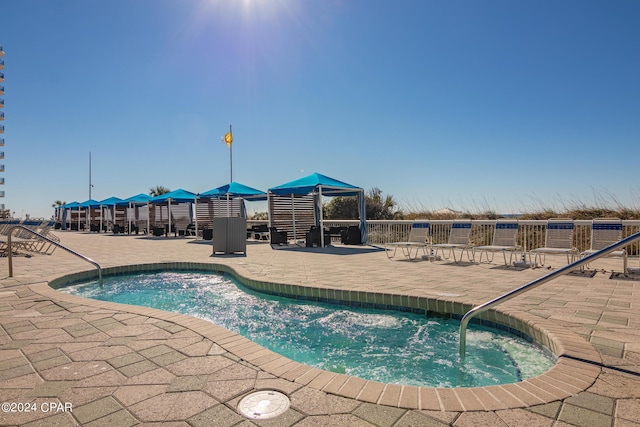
x=535 y=283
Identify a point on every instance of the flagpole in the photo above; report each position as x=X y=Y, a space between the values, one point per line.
x=90 y=175
x=231 y=156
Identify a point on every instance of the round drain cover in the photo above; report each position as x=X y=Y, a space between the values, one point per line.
x=263 y=405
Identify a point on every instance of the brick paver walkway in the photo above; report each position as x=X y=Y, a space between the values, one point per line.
x=67 y=361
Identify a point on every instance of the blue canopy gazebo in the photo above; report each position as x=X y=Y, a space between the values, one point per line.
x=134 y=202
x=232 y=191
x=110 y=202
x=177 y=196
x=320 y=185
x=87 y=204
x=70 y=207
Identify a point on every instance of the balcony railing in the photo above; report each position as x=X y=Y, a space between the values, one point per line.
x=531 y=233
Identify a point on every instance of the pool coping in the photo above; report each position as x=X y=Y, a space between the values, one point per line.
x=577 y=367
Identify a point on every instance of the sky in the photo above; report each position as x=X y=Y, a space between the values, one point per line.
x=498 y=105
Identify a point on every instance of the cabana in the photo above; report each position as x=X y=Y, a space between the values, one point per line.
x=317 y=185
x=225 y=201
x=108 y=203
x=134 y=205
x=182 y=214
x=87 y=205
x=67 y=216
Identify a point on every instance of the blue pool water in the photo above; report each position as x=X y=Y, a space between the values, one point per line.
x=386 y=346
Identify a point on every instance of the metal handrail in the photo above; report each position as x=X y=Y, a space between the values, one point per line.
x=53 y=242
x=535 y=283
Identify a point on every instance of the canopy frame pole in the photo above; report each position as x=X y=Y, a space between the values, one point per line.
x=321 y=218
x=293 y=210
x=195 y=212
x=129 y=217
x=169 y=214
x=148 y=219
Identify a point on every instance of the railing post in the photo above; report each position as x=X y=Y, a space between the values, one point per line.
x=53 y=242
x=9 y=253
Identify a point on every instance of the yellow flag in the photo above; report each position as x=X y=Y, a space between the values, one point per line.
x=228 y=139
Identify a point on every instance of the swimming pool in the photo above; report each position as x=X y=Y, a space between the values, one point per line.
x=385 y=346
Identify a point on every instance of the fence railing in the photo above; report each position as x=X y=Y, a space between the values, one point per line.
x=531 y=233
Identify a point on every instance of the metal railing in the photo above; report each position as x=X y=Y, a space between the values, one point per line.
x=51 y=241
x=535 y=283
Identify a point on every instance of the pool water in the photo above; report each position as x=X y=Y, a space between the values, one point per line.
x=386 y=346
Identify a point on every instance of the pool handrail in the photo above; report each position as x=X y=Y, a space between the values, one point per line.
x=535 y=283
x=53 y=242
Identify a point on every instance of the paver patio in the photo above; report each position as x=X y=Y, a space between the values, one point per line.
x=84 y=362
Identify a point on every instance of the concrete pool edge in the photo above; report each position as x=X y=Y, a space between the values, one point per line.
x=576 y=369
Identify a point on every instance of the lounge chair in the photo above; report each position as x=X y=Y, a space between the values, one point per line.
x=558 y=240
x=26 y=240
x=419 y=238
x=505 y=239
x=459 y=238
x=16 y=240
x=22 y=239
x=605 y=232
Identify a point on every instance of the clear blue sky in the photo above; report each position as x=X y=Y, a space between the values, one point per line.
x=473 y=105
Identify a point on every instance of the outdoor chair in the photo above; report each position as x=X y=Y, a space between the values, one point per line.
x=337 y=232
x=26 y=240
x=351 y=235
x=190 y=230
x=17 y=241
x=278 y=237
x=207 y=234
x=605 y=232
x=419 y=238
x=259 y=232
x=459 y=238
x=313 y=237
x=558 y=240
x=38 y=245
x=505 y=239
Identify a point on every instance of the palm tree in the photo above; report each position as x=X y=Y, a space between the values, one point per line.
x=158 y=190
x=58 y=203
